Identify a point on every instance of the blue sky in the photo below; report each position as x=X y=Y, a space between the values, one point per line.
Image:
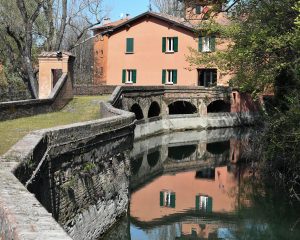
x=133 y=7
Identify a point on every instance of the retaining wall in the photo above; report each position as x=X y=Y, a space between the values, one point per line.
x=21 y=215
x=93 y=89
x=61 y=94
x=183 y=122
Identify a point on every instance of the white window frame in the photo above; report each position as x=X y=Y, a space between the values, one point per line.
x=206 y=44
x=169 y=77
x=129 y=75
x=170 y=44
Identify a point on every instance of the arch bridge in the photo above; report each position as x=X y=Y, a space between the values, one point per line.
x=153 y=102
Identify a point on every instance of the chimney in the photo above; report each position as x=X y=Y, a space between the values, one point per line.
x=106 y=21
x=127 y=16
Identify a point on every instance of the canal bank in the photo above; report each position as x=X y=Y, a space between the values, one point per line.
x=26 y=158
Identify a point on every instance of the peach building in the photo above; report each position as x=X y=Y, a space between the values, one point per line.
x=169 y=194
x=152 y=49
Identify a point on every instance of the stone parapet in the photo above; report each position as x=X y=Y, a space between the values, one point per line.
x=21 y=214
x=59 y=97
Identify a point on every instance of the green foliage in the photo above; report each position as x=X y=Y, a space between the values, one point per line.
x=264 y=43
x=88 y=167
x=281 y=154
x=12 y=86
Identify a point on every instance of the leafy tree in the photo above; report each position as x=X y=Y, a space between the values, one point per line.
x=264 y=47
x=30 y=26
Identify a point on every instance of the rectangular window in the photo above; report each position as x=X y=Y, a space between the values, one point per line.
x=129 y=45
x=204 y=203
x=169 y=76
x=170 y=44
x=207 y=44
x=129 y=76
x=167 y=199
x=198 y=9
x=207 y=77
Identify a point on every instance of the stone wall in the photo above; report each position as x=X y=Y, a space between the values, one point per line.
x=60 y=96
x=21 y=214
x=93 y=89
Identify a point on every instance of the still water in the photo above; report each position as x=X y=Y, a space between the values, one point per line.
x=202 y=185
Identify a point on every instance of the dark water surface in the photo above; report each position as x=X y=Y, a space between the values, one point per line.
x=185 y=185
x=201 y=185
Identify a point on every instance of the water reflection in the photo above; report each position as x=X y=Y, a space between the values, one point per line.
x=200 y=188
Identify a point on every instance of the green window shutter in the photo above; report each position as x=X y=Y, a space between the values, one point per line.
x=161 y=199
x=174 y=77
x=175 y=44
x=212 y=43
x=197 y=202
x=164 y=44
x=209 y=205
x=173 y=200
x=124 y=76
x=200 y=44
x=214 y=77
x=134 y=76
x=129 y=45
x=164 y=73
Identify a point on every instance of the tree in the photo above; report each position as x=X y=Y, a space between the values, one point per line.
x=264 y=47
x=171 y=7
x=34 y=25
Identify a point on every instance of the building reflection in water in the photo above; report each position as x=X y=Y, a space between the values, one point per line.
x=193 y=186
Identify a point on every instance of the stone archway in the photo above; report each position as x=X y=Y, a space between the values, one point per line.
x=137 y=110
x=154 y=110
x=182 y=107
x=218 y=106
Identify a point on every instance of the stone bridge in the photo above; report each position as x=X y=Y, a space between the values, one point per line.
x=161 y=101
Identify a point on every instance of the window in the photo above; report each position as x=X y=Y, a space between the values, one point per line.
x=129 y=45
x=167 y=199
x=207 y=44
x=207 y=77
x=170 y=44
x=204 y=203
x=198 y=9
x=169 y=76
x=129 y=76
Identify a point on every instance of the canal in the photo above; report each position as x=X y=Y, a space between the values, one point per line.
x=184 y=185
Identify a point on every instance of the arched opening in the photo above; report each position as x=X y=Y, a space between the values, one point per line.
x=136 y=109
x=182 y=107
x=218 y=106
x=217 y=148
x=154 y=110
x=153 y=158
x=181 y=152
x=135 y=165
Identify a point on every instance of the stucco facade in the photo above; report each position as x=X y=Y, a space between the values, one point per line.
x=147 y=59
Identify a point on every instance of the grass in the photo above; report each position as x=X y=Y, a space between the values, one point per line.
x=80 y=109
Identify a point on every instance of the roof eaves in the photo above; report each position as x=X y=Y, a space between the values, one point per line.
x=152 y=15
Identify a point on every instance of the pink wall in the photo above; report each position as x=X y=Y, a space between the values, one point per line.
x=243 y=102
x=186 y=187
x=148 y=58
